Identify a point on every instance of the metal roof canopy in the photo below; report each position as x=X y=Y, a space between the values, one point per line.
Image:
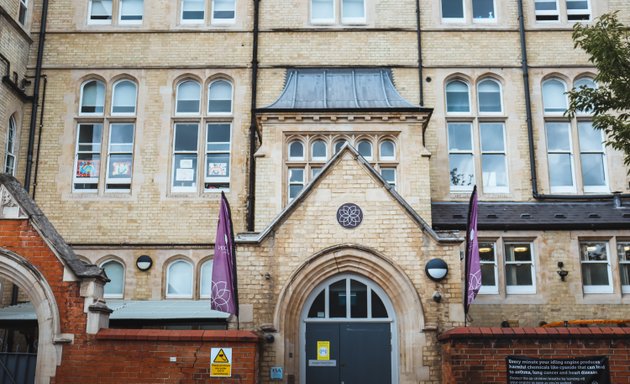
x=340 y=89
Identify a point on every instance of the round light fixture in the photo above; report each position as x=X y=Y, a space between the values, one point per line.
x=144 y=263
x=436 y=269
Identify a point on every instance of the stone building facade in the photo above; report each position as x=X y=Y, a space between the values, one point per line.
x=296 y=108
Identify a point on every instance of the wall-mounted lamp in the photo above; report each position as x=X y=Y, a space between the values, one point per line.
x=144 y=263
x=561 y=272
x=436 y=269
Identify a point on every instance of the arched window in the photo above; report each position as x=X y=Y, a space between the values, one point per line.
x=296 y=150
x=188 y=97
x=115 y=271
x=457 y=98
x=347 y=298
x=319 y=151
x=124 y=97
x=554 y=98
x=585 y=82
x=489 y=96
x=93 y=97
x=179 y=282
x=9 y=160
x=205 y=281
x=365 y=149
x=220 y=97
x=387 y=150
x=339 y=144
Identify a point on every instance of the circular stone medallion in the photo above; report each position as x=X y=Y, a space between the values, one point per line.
x=349 y=215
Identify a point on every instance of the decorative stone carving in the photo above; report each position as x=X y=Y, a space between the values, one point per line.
x=9 y=208
x=349 y=215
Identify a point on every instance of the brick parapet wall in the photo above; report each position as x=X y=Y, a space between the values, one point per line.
x=477 y=354
x=144 y=356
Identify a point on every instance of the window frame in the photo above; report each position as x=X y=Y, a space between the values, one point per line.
x=587 y=12
x=588 y=289
x=100 y=21
x=453 y=19
x=564 y=94
x=221 y=113
x=220 y=181
x=22 y=12
x=82 y=95
x=10 y=147
x=219 y=21
x=544 y=14
x=503 y=153
x=119 y=181
x=168 y=295
x=290 y=182
x=484 y=20
x=95 y=179
x=323 y=21
x=382 y=157
x=601 y=152
x=177 y=99
x=202 y=277
x=192 y=21
x=135 y=98
x=470 y=153
x=489 y=289
x=446 y=103
x=318 y=158
x=122 y=287
x=500 y=112
x=290 y=145
x=352 y=20
x=195 y=165
x=130 y=21
x=519 y=289
x=570 y=152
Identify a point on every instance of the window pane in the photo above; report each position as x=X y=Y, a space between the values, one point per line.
x=218 y=137
x=186 y=137
x=318 y=308
x=483 y=9
x=220 y=97
x=116 y=274
x=90 y=137
x=101 y=10
x=337 y=299
x=492 y=137
x=193 y=9
x=119 y=166
x=88 y=165
x=218 y=165
x=487 y=275
x=457 y=97
x=179 y=279
x=554 y=98
x=124 y=97
x=459 y=137
x=296 y=150
x=518 y=274
x=558 y=139
x=185 y=172
x=322 y=9
x=593 y=171
x=296 y=175
x=595 y=274
x=577 y=4
x=353 y=9
x=461 y=170
x=131 y=10
x=365 y=149
x=452 y=9
x=389 y=174
x=339 y=144
x=378 y=308
x=489 y=96
x=560 y=170
x=223 y=9
x=318 y=150
x=590 y=138
x=188 y=97
x=518 y=252
x=546 y=5
x=205 y=285
x=387 y=150
x=494 y=170
x=594 y=252
x=93 y=97
x=358 y=300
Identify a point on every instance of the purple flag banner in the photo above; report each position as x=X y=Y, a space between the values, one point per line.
x=473 y=265
x=224 y=295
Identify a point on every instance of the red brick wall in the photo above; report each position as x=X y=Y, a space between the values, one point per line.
x=143 y=356
x=477 y=355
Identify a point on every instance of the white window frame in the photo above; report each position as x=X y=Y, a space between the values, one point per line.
x=457 y=113
x=486 y=20
x=135 y=98
x=133 y=21
x=228 y=152
x=453 y=19
x=219 y=21
x=81 y=113
x=89 y=180
x=380 y=150
x=596 y=288
x=352 y=20
x=371 y=155
x=580 y=12
x=324 y=21
x=101 y=21
x=119 y=181
x=207 y=279
x=296 y=158
x=168 y=279
x=570 y=152
x=122 y=288
x=295 y=182
x=192 y=21
x=179 y=84
x=471 y=153
x=482 y=152
x=393 y=182
x=228 y=113
x=519 y=289
x=544 y=104
x=490 y=289
x=193 y=187
x=10 y=147
x=485 y=113
x=545 y=13
x=22 y=12
x=623 y=264
x=602 y=152
x=319 y=158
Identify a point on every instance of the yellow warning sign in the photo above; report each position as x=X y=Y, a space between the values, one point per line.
x=323 y=350
x=221 y=358
x=221 y=362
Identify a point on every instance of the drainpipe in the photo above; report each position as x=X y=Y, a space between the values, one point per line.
x=251 y=200
x=38 y=73
x=418 y=34
x=530 y=128
x=39 y=135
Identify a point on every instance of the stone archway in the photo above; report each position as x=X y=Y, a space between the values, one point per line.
x=365 y=262
x=18 y=270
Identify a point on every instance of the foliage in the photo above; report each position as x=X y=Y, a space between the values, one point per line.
x=607 y=42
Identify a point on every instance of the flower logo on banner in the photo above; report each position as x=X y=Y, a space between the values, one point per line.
x=349 y=215
x=220 y=296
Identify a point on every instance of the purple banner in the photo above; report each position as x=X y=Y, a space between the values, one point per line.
x=224 y=295
x=473 y=265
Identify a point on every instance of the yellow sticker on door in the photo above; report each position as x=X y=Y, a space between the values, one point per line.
x=323 y=350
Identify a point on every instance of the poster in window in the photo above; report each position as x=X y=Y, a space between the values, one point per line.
x=120 y=168
x=186 y=163
x=87 y=168
x=184 y=174
x=217 y=169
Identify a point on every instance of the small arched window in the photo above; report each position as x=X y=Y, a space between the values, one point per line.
x=205 y=281
x=365 y=149
x=489 y=96
x=220 y=97
x=457 y=97
x=93 y=97
x=339 y=144
x=319 y=151
x=179 y=282
x=585 y=82
x=387 y=150
x=9 y=160
x=296 y=150
x=124 y=97
x=554 y=97
x=188 y=97
x=115 y=271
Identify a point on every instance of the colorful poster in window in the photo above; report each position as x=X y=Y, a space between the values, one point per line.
x=120 y=168
x=217 y=169
x=88 y=168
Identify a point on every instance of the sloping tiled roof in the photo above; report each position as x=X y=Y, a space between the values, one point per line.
x=340 y=89
x=536 y=215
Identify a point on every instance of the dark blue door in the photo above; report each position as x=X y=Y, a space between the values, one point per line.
x=359 y=353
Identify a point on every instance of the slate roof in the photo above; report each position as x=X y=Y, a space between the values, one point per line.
x=533 y=215
x=340 y=89
x=48 y=232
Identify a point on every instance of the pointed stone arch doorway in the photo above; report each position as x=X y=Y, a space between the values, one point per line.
x=376 y=272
